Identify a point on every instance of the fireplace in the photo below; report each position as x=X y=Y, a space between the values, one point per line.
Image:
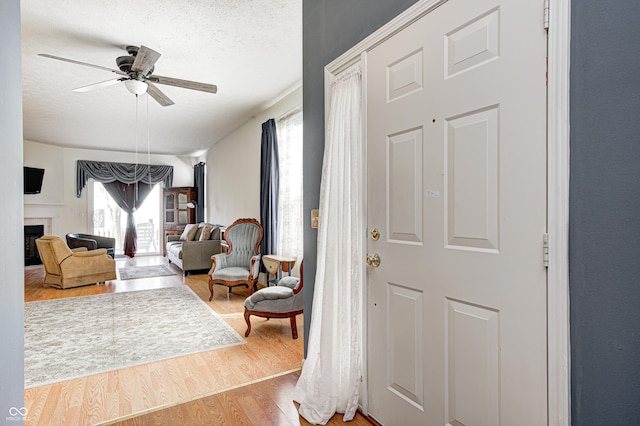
x=31 y=234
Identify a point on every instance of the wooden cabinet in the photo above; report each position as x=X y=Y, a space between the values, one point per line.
x=177 y=213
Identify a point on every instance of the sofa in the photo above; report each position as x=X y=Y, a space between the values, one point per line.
x=192 y=250
x=92 y=242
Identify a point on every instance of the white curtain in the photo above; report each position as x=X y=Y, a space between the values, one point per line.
x=330 y=378
x=290 y=239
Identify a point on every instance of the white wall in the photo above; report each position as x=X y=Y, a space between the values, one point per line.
x=11 y=233
x=58 y=195
x=233 y=167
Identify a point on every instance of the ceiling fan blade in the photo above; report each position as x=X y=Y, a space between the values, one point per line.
x=157 y=94
x=45 y=55
x=97 y=85
x=145 y=60
x=186 y=84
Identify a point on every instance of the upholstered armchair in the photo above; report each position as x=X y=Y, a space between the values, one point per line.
x=240 y=265
x=92 y=242
x=65 y=268
x=284 y=300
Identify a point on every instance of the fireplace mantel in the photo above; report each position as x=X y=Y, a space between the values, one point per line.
x=46 y=214
x=36 y=206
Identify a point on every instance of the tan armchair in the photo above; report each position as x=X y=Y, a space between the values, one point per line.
x=67 y=268
x=240 y=265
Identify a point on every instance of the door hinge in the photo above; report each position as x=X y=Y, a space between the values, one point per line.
x=546 y=15
x=545 y=250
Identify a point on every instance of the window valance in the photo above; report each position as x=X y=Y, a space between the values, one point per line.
x=106 y=172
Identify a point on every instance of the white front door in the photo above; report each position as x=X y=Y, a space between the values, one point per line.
x=456 y=160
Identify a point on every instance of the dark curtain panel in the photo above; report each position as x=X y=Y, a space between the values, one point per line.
x=269 y=187
x=129 y=196
x=198 y=182
x=106 y=172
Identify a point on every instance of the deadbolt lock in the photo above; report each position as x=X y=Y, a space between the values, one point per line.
x=375 y=234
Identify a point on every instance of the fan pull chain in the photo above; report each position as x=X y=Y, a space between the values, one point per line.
x=148 y=145
x=135 y=168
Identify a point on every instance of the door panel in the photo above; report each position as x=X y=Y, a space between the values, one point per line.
x=472 y=356
x=473 y=43
x=404 y=186
x=406 y=355
x=472 y=174
x=456 y=161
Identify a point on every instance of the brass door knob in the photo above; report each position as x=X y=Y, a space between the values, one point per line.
x=373 y=260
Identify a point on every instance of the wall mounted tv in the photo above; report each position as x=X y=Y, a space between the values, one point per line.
x=33 y=180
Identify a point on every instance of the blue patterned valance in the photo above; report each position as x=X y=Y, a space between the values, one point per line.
x=106 y=172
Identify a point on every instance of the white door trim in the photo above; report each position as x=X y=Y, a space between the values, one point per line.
x=558 y=351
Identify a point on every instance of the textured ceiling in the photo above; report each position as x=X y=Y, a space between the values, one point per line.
x=251 y=49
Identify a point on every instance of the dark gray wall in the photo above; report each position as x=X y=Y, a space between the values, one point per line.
x=330 y=28
x=11 y=220
x=604 y=231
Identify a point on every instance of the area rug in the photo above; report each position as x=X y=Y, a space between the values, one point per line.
x=135 y=272
x=80 y=336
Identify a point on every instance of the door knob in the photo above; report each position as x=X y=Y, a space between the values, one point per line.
x=373 y=260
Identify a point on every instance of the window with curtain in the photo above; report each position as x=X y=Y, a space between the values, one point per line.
x=290 y=239
x=109 y=220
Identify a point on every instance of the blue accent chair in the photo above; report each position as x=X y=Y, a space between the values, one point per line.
x=240 y=265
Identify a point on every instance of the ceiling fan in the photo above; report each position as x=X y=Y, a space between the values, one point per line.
x=136 y=70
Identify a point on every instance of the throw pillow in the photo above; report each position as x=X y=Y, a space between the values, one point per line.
x=206 y=232
x=291 y=282
x=198 y=233
x=189 y=232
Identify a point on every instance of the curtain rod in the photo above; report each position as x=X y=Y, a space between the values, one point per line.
x=289 y=113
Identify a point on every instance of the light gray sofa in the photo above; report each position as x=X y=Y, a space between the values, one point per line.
x=194 y=255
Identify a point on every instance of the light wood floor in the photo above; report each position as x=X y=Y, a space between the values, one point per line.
x=243 y=384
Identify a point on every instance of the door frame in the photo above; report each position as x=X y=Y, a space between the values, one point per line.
x=558 y=49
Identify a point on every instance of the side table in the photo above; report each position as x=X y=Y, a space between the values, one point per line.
x=276 y=265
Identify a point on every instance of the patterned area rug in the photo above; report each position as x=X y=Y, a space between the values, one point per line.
x=80 y=336
x=134 y=272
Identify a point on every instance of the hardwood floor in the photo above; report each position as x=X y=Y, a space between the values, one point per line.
x=243 y=384
x=267 y=402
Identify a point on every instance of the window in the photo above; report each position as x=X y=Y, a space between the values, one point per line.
x=109 y=220
x=290 y=239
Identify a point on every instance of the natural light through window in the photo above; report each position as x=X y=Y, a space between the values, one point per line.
x=290 y=239
x=111 y=221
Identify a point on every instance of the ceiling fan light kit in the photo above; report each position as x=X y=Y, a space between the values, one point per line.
x=136 y=70
x=136 y=87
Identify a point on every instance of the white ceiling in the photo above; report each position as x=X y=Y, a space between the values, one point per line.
x=251 y=49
